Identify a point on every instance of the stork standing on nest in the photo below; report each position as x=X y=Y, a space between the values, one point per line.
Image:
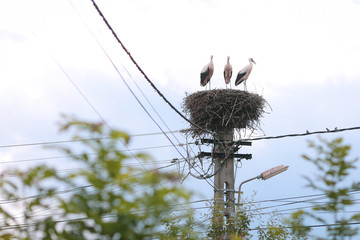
x=207 y=73
x=244 y=73
x=227 y=72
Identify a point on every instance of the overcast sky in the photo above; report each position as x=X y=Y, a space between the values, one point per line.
x=307 y=55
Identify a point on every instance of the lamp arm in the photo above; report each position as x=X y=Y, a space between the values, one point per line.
x=248 y=180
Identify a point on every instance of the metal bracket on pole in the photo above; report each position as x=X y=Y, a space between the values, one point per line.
x=242 y=143
x=223 y=155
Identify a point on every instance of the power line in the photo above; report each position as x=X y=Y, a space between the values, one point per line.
x=75 y=86
x=153 y=133
x=305 y=134
x=355 y=191
x=124 y=165
x=80 y=140
x=311 y=226
x=354 y=201
x=308 y=201
x=141 y=71
x=113 y=215
x=291 y=210
x=79 y=155
x=50 y=142
x=43 y=194
x=76 y=155
x=162 y=120
x=156 y=112
x=70 y=190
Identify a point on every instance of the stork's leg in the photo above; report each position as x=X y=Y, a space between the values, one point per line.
x=245 y=89
x=230 y=85
x=209 y=85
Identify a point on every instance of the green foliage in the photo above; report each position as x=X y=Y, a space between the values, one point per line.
x=235 y=226
x=104 y=200
x=333 y=169
x=273 y=229
x=183 y=228
x=278 y=228
x=296 y=226
x=238 y=226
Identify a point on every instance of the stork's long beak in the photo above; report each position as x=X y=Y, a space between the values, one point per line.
x=253 y=61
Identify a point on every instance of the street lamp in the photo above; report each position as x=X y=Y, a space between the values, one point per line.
x=264 y=176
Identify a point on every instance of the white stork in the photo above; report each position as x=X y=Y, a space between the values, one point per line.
x=227 y=72
x=244 y=73
x=207 y=73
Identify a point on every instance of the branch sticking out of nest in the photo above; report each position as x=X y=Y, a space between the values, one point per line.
x=223 y=109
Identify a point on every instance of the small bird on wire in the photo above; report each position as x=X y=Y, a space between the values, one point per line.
x=207 y=73
x=227 y=72
x=244 y=73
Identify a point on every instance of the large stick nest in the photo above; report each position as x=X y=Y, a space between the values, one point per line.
x=220 y=109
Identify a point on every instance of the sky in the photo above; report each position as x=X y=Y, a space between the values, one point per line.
x=307 y=56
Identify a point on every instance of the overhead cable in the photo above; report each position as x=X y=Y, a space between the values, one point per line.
x=305 y=134
x=140 y=69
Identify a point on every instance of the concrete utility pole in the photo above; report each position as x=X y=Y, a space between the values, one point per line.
x=223 y=155
x=224 y=179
